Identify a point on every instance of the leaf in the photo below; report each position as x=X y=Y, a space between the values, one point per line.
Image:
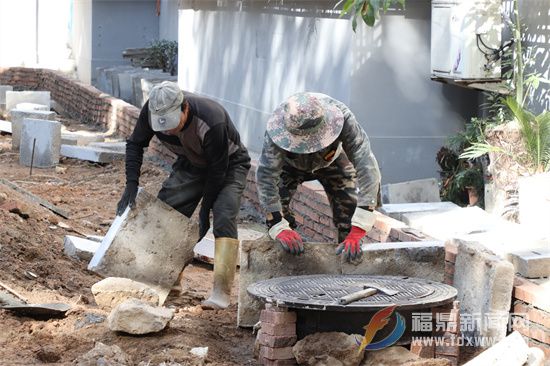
x=479 y=149
x=369 y=18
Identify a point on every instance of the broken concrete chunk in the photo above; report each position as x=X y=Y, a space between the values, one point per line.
x=335 y=345
x=79 y=248
x=511 y=351
x=97 y=155
x=151 y=243
x=111 y=291
x=484 y=283
x=136 y=317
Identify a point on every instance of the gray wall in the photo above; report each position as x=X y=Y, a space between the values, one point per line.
x=250 y=58
x=168 y=28
x=121 y=24
x=535 y=14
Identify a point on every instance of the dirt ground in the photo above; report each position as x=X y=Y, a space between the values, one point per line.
x=33 y=245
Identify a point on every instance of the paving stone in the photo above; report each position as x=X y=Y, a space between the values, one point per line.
x=425 y=259
x=397 y=210
x=13 y=98
x=533 y=263
x=97 y=155
x=79 y=248
x=414 y=191
x=42 y=136
x=16 y=116
x=151 y=244
x=119 y=146
x=32 y=107
x=142 y=87
x=80 y=137
x=484 y=283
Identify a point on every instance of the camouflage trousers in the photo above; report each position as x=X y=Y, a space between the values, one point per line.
x=338 y=180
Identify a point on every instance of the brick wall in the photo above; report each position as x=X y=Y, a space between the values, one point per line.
x=530 y=305
x=90 y=105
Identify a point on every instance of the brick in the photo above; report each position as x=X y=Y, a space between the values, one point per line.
x=531 y=293
x=284 y=353
x=534 y=331
x=277 y=317
x=288 y=329
x=544 y=347
x=533 y=314
x=276 y=341
x=450 y=256
x=423 y=350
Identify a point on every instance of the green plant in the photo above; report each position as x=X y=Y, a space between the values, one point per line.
x=163 y=54
x=368 y=10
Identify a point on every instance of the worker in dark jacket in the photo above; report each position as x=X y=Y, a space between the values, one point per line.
x=312 y=136
x=212 y=164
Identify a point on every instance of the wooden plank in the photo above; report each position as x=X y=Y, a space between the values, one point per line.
x=42 y=202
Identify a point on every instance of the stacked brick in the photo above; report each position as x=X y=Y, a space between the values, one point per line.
x=276 y=336
x=451 y=251
x=447 y=329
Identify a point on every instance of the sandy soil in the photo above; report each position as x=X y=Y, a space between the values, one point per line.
x=35 y=244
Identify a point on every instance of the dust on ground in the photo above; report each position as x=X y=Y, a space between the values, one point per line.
x=31 y=240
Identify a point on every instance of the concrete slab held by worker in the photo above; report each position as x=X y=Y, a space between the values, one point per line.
x=312 y=136
x=212 y=164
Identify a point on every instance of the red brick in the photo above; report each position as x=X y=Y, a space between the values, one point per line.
x=284 y=353
x=534 y=331
x=451 y=247
x=277 y=317
x=276 y=341
x=450 y=256
x=531 y=293
x=423 y=350
x=286 y=329
x=534 y=315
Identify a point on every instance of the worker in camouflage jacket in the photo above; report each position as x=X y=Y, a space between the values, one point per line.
x=312 y=136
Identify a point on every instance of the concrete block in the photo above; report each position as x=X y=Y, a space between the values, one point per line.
x=111 y=79
x=5 y=126
x=96 y=155
x=397 y=210
x=16 y=116
x=79 y=248
x=204 y=250
x=46 y=138
x=3 y=90
x=414 y=191
x=264 y=259
x=13 y=98
x=414 y=259
x=532 y=263
x=32 y=107
x=80 y=137
x=484 y=283
x=119 y=146
x=151 y=244
x=534 y=202
x=511 y=351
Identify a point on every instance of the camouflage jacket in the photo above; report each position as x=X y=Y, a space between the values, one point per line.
x=355 y=145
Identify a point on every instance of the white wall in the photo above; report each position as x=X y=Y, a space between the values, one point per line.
x=82 y=38
x=252 y=59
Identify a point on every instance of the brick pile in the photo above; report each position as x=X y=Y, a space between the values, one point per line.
x=276 y=336
x=530 y=301
x=449 y=333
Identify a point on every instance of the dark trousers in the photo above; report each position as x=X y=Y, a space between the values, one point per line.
x=338 y=180
x=184 y=188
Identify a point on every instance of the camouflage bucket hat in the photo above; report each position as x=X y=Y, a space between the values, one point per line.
x=305 y=123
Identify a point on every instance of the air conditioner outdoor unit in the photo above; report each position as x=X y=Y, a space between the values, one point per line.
x=466 y=39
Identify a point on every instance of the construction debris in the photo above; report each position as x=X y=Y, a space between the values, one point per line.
x=112 y=291
x=136 y=317
x=79 y=248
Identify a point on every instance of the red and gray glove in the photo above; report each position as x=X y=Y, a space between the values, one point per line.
x=361 y=222
x=280 y=230
x=351 y=246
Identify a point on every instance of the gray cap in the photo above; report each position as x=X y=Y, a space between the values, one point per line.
x=165 y=102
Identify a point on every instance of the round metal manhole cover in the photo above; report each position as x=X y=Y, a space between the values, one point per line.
x=322 y=292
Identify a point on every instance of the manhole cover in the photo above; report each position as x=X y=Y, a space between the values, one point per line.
x=322 y=292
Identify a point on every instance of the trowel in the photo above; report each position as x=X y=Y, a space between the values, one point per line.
x=368 y=290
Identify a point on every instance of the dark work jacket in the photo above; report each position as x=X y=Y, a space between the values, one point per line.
x=209 y=143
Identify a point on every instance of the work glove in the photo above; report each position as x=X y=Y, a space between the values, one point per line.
x=204 y=221
x=128 y=198
x=279 y=230
x=351 y=246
